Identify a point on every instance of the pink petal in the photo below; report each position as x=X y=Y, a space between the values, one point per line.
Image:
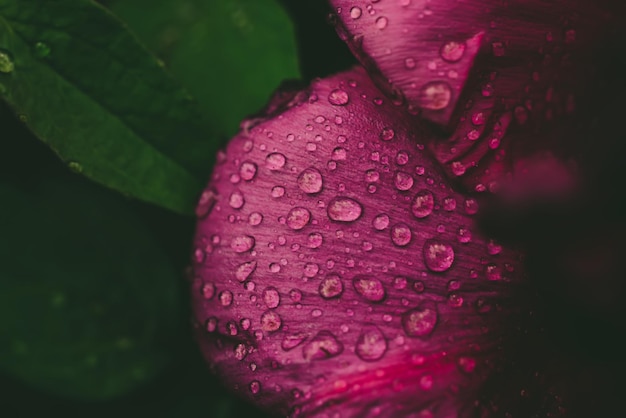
x=504 y=78
x=346 y=276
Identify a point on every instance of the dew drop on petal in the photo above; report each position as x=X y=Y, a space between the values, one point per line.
x=466 y=364
x=255 y=387
x=355 y=12
x=403 y=181
x=344 y=209
x=242 y=243
x=452 y=51
x=315 y=240
x=291 y=341
x=298 y=218
x=275 y=161
x=380 y=222
x=245 y=270
x=438 y=256
x=310 y=181
x=270 y=321
x=387 y=134
x=271 y=297
x=371 y=344
x=423 y=204
x=436 y=95
x=226 y=298
x=338 y=97
x=381 y=22
x=369 y=288
x=277 y=191
x=255 y=218
x=323 y=346
x=236 y=200
x=247 y=170
x=401 y=234
x=207 y=290
x=331 y=287
x=420 y=322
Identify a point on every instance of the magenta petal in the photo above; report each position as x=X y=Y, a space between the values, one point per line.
x=498 y=75
x=336 y=271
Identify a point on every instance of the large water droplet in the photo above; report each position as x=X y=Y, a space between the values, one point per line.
x=236 y=200
x=423 y=204
x=270 y=321
x=380 y=222
x=371 y=344
x=420 y=322
x=291 y=341
x=452 y=51
x=438 y=256
x=240 y=352
x=436 y=95
x=275 y=161
x=355 y=12
x=247 y=170
x=42 y=49
x=331 y=287
x=323 y=346
x=242 y=243
x=344 y=209
x=6 y=63
x=371 y=289
x=310 y=180
x=338 y=97
x=271 y=297
x=298 y=218
x=382 y=22
x=401 y=234
x=403 y=181
x=245 y=270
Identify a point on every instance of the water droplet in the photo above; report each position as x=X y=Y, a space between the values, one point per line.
x=493 y=272
x=401 y=234
x=419 y=322
x=208 y=290
x=42 y=50
x=339 y=154
x=316 y=313
x=207 y=200
x=270 y=321
x=298 y=218
x=331 y=287
x=493 y=248
x=314 y=240
x=255 y=387
x=344 y=209
x=423 y=204
x=226 y=298
x=409 y=63
x=310 y=180
x=75 y=167
x=449 y=204
x=380 y=222
x=240 y=352
x=242 y=243
x=402 y=158
x=436 y=95
x=311 y=269
x=403 y=181
x=372 y=176
x=381 y=22
x=438 y=256
x=371 y=344
x=471 y=206
x=452 y=51
x=245 y=270
x=255 y=218
x=275 y=161
x=426 y=382
x=387 y=134
x=370 y=289
x=338 y=97
x=271 y=297
x=211 y=324
x=323 y=346
x=355 y=12
x=291 y=341
x=277 y=191
x=247 y=170
x=6 y=63
x=236 y=200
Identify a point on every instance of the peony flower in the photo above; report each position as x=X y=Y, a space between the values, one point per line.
x=339 y=267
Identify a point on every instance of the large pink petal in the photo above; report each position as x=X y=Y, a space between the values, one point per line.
x=504 y=78
x=337 y=272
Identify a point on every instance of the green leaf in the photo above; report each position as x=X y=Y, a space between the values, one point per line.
x=88 y=301
x=87 y=88
x=232 y=54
